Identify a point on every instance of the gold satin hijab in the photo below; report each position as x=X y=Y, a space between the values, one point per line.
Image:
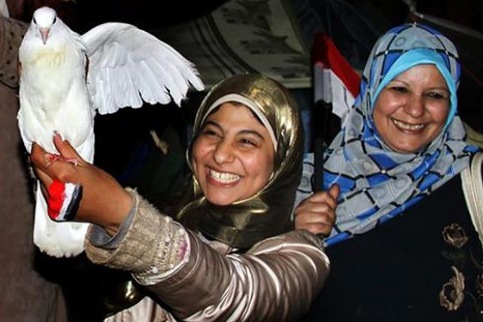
x=268 y=212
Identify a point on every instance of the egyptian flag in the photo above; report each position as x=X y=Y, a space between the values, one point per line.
x=335 y=81
x=336 y=85
x=63 y=201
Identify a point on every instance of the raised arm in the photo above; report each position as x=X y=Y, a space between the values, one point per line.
x=276 y=280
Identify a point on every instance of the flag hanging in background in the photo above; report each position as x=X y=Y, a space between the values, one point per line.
x=335 y=81
x=336 y=85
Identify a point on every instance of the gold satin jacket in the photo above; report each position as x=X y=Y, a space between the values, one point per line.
x=275 y=280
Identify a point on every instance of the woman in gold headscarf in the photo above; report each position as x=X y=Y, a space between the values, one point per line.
x=230 y=253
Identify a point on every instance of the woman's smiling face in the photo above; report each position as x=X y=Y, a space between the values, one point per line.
x=233 y=155
x=412 y=109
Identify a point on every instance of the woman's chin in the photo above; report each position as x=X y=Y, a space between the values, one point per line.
x=406 y=147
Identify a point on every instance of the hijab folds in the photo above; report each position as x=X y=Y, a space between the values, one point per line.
x=268 y=212
x=376 y=182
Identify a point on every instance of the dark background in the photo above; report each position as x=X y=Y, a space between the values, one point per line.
x=118 y=134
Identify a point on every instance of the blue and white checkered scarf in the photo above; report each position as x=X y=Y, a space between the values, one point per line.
x=376 y=182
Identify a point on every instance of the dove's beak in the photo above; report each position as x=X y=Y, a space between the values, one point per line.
x=44 y=33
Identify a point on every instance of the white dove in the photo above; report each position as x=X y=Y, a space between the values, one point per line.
x=65 y=78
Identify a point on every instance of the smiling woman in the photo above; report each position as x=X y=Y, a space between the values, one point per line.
x=232 y=156
x=240 y=139
x=233 y=227
x=404 y=235
x=412 y=109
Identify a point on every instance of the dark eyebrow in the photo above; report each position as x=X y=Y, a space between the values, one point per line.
x=440 y=88
x=208 y=122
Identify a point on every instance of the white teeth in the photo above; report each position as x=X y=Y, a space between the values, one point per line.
x=411 y=127
x=224 y=177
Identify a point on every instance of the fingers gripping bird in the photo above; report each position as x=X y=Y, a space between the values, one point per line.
x=66 y=78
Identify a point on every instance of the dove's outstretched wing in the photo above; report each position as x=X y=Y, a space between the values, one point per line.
x=128 y=66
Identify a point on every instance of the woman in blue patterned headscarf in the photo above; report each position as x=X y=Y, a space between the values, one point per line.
x=404 y=247
x=378 y=183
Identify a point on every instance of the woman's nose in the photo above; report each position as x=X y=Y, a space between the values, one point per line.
x=223 y=152
x=415 y=105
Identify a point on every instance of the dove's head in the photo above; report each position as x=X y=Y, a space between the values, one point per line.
x=43 y=20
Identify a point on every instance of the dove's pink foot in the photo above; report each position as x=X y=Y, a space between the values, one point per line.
x=63 y=200
x=52 y=157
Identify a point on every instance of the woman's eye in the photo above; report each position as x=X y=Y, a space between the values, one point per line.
x=209 y=132
x=248 y=142
x=399 y=89
x=437 y=95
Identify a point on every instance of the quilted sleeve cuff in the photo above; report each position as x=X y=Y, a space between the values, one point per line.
x=153 y=246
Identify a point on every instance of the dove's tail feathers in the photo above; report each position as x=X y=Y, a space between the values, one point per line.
x=64 y=239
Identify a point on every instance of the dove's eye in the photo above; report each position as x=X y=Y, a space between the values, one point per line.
x=55 y=19
x=34 y=21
